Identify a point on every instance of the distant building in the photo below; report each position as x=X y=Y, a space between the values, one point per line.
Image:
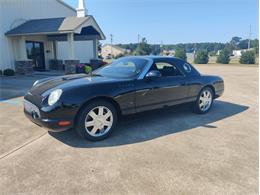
x=190 y=57
x=238 y=53
x=168 y=52
x=111 y=51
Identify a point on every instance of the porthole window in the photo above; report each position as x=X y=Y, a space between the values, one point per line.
x=187 y=68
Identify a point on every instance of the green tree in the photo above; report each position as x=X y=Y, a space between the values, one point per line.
x=235 y=41
x=229 y=48
x=243 y=44
x=224 y=57
x=180 y=53
x=143 y=48
x=201 y=57
x=247 y=57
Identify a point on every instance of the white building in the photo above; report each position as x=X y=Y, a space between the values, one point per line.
x=238 y=53
x=111 y=51
x=35 y=32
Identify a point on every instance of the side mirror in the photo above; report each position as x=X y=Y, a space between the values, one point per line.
x=153 y=74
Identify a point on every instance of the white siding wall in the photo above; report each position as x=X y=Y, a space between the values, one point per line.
x=83 y=51
x=15 y=12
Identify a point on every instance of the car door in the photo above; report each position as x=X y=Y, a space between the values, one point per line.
x=193 y=79
x=167 y=90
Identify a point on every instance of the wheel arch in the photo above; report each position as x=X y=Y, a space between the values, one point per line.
x=104 y=98
x=211 y=87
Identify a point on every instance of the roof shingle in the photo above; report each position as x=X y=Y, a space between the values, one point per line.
x=50 y=25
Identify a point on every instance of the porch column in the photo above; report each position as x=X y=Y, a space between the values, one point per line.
x=71 y=53
x=22 y=55
x=70 y=64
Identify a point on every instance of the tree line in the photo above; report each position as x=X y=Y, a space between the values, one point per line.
x=235 y=43
x=202 y=51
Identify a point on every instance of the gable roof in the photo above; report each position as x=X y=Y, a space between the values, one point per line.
x=55 y=26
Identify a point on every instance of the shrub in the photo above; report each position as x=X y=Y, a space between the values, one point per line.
x=180 y=53
x=1 y=72
x=247 y=57
x=8 y=72
x=201 y=57
x=88 y=69
x=223 y=57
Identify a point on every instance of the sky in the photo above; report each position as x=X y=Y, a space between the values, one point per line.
x=174 y=21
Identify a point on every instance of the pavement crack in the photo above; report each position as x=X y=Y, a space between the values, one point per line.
x=21 y=146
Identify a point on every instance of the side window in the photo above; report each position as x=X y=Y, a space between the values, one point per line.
x=166 y=69
x=186 y=67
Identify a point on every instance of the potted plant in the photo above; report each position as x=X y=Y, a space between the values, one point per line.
x=88 y=69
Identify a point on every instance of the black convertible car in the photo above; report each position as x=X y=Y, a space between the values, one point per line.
x=92 y=103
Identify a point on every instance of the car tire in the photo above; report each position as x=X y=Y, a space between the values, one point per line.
x=94 y=124
x=204 y=101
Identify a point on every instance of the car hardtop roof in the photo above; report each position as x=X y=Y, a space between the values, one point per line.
x=153 y=57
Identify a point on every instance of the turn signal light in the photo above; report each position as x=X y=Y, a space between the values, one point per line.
x=64 y=123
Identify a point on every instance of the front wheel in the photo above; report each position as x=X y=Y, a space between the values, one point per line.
x=204 y=101
x=97 y=120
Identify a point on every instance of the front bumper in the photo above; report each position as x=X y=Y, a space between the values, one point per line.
x=55 y=118
x=50 y=124
x=219 y=93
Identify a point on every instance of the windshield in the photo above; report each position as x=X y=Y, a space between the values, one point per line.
x=122 y=68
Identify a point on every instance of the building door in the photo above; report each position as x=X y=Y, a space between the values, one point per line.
x=35 y=52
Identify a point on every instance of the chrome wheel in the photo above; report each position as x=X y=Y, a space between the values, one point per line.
x=98 y=121
x=205 y=100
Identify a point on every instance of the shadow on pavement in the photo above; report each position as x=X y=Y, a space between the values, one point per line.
x=153 y=124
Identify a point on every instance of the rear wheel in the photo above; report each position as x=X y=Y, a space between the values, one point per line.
x=204 y=101
x=97 y=120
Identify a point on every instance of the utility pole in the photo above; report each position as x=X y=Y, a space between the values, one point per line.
x=249 y=38
x=111 y=41
x=138 y=38
x=161 y=48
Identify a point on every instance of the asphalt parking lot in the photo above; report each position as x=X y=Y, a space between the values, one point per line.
x=170 y=151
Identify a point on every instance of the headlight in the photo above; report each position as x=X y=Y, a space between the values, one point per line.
x=54 y=96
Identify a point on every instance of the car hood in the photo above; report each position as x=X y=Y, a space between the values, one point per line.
x=67 y=81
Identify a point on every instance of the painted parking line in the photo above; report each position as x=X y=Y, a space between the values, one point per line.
x=11 y=102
